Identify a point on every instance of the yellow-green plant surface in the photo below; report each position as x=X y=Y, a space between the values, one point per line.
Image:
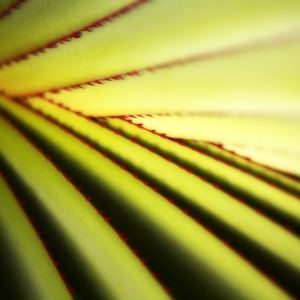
x=35 y=275
x=206 y=257
x=105 y=261
x=20 y=33
x=189 y=158
x=263 y=82
x=245 y=164
x=156 y=32
x=277 y=137
x=5 y=4
x=159 y=168
x=140 y=104
x=285 y=161
x=200 y=194
x=271 y=133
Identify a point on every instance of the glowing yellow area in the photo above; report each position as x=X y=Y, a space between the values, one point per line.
x=271 y=141
x=279 y=134
x=284 y=161
x=244 y=164
x=262 y=82
x=37 y=277
x=202 y=251
x=153 y=33
x=203 y=195
x=36 y=23
x=183 y=153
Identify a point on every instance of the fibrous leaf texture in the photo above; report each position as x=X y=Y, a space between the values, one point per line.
x=149 y=149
